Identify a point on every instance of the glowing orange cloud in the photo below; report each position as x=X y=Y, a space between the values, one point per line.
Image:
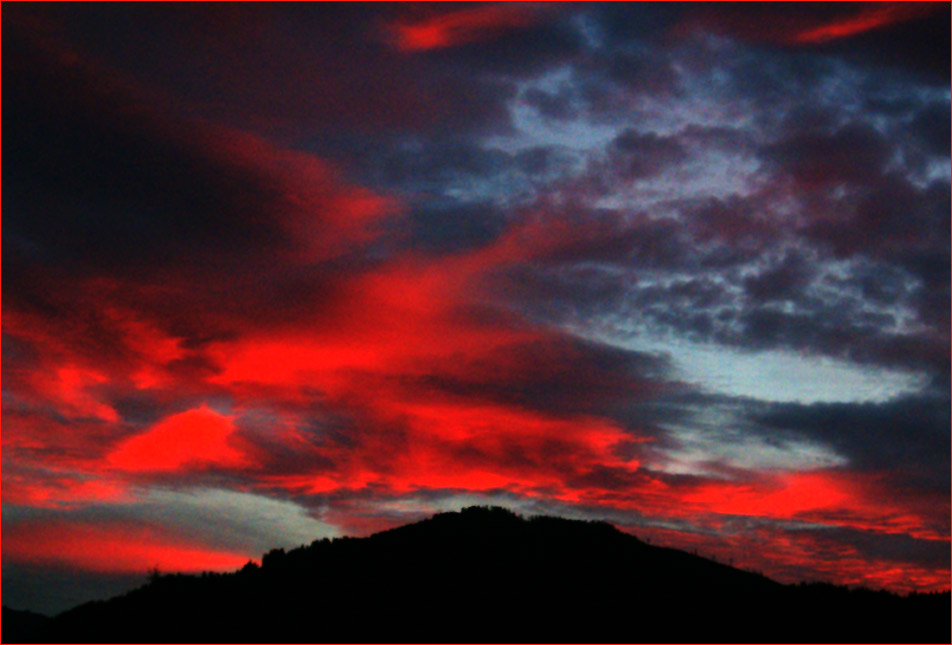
x=459 y=27
x=198 y=437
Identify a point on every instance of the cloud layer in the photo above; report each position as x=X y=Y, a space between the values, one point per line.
x=673 y=266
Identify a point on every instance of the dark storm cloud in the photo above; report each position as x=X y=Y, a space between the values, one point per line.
x=561 y=376
x=736 y=224
x=559 y=105
x=459 y=192
x=931 y=127
x=826 y=320
x=136 y=189
x=782 y=281
x=895 y=216
x=902 y=443
x=854 y=154
x=141 y=187
x=856 y=205
x=838 y=330
x=462 y=169
x=605 y=82
x=551 y=296
x=911 y=38
x=453 y=227
x=622 y=22
x=291 y=68
x=144 y=408
x=111 y=187
x=907 y=437
x=601 y=235
x=881 y=210
x=634 y=155
x=916 y=44
x=434 y=163
x=893 y=548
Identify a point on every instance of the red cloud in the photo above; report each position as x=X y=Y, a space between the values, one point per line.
x=69 y=387
x=866 y=19
x=795 y=556
x=811 y=23
x=59 y=490
x=784 y=497
x=379 y=357
x=194 y=438
x=111 y=548
x=460 y=27
x=835 y=498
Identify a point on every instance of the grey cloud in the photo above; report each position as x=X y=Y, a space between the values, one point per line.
x=854 y=154
x=559 y=105
x=783 y=281
x=931 y=127
x=893 y=547
x=562 y=376
x=452 y=227
x=635 y=155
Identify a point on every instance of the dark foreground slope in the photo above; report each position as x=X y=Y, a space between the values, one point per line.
x=488 y=575
x=22 y=626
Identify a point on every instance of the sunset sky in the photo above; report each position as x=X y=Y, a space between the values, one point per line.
x=274 y=273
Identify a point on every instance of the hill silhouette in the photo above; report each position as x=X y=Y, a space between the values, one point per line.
x=486 y=574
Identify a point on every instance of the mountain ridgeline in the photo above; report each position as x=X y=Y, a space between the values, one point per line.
x=486 y=574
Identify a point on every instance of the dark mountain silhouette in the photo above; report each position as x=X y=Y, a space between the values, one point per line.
x=22 y=626
x=485 y=574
